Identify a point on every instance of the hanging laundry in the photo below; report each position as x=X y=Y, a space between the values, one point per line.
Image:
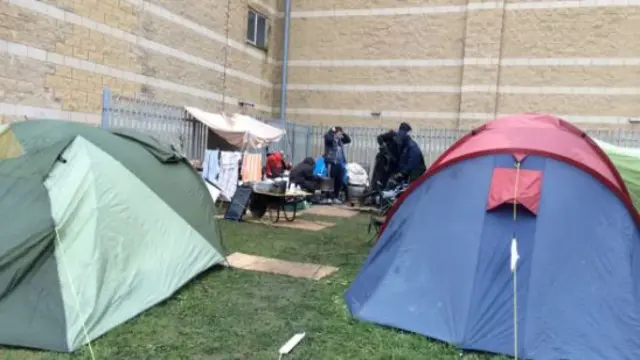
x=205 y=164
x=251 y=167
x=211 y=165
x=213 y=191
x=228 y=175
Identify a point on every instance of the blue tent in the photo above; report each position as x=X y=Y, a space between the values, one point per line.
x=441 y=266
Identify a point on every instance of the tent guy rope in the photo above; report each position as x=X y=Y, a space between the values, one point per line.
x=514 y=263
x=75 y=296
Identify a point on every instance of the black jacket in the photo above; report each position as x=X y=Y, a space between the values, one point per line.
x=386 y=161
x=411 y=162
x=303 y=171
x=390 y=145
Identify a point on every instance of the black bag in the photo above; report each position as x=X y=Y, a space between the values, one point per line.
x=239 y=202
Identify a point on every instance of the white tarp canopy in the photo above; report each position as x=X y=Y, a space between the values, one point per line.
x=239 y=130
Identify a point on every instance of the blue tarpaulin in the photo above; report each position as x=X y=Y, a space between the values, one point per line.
x=320 y=169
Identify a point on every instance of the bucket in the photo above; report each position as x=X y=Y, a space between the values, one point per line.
x=326 y=184
x=280 y=187
x=355 y=193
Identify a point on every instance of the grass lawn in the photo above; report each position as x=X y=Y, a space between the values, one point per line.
x=235 y=314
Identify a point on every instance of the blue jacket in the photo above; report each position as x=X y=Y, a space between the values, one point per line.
x=411 y=159
x=333 y=147
x=320 y=169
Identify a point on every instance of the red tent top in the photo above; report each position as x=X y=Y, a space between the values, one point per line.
x=536 y=134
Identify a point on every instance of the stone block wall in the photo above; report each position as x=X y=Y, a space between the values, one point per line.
x=450 y=63
x=436 y=63
x=56 y=56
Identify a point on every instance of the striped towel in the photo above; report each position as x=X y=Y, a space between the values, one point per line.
x=251 y=167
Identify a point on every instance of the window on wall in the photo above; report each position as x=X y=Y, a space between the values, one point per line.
x=257 y=29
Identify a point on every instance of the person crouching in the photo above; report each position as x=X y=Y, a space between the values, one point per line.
x=276 y=165
x=303 y=176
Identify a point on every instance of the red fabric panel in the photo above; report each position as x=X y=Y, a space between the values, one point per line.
x=503 y=188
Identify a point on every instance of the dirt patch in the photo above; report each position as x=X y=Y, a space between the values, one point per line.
x=331 y=211
x=298 y=224
x=279 y=267
x=362 y=209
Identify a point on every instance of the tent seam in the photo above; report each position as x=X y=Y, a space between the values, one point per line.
x=201 y=184
x=473 y=287
x=523 y=329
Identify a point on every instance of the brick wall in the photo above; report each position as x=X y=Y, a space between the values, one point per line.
x=435 y=62
x=440 y=63
x=57 y=55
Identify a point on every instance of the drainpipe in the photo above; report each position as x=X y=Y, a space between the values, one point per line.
x=463 y=66
x=500 y=54
x=285 y=61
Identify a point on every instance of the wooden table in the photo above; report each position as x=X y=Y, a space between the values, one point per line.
x=274 y=202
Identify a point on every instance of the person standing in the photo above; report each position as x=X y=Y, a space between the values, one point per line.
x=334 y=141
x=411 y=163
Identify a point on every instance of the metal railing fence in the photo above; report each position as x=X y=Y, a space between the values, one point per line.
x=171 y=123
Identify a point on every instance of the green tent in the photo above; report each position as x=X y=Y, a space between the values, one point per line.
x=95 y=227
x=627 y=162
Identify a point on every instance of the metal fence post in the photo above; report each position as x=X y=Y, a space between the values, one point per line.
x=293 y=142
x=106 y=107
x=307 y=149
x=620 y=137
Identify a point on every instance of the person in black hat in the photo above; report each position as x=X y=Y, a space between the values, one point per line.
x=404 y=128
x=386 y=161
x=411 y=163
